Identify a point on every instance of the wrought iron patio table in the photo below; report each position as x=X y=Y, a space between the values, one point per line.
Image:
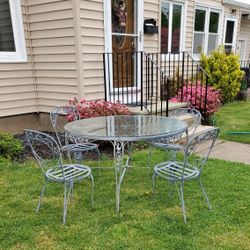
x=123 y=130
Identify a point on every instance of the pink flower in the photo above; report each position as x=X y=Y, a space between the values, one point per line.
x=195 y=94
x=97 y=108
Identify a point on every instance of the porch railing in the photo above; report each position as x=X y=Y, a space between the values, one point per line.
x=157 y=78
x=245 y=66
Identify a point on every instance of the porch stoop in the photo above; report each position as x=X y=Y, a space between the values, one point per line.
x=157 y=108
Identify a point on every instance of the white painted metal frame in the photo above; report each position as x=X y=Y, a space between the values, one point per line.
x=242 y=51
x=208 y=10
x=108 y=47
x=20 y=54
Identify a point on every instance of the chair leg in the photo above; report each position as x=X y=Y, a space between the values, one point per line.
x=149 y=159
x=205 y=194
x=71 y=190
x=170 y=193
x=92 y=190
x=98 y=154
x=65 y=201
x=41 y=196
x=182 y=201
x=153 y=183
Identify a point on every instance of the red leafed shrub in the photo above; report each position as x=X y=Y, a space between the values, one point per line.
x=97 y=108
x=195 y=94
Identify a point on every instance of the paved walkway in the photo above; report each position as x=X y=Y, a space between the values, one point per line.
x=231 y=151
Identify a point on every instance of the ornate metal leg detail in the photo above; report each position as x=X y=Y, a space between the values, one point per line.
x=41 y=196
x=205 y=194
x=119 y=169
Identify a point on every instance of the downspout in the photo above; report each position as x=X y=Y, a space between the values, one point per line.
x=31 y=55
x=78 y=44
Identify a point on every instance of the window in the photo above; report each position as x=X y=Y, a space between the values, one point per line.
x=171 y=27
x=12 y=43
x=229 y=35
x=206 y=30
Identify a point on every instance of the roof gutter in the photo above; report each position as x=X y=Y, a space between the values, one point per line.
x=237 y=3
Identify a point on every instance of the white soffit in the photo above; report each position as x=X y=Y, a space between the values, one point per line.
x=244 y=4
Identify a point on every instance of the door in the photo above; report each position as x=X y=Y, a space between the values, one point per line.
x=123 y=40
x=123 y=43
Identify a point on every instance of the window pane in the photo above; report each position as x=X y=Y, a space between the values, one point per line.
x=200 y=17
x=214 y=22
x=7 y=43
x=229 y=32
x=228 y=49
x=164 y=27
x=198 y=43
x=176 y=28
x=212 y=42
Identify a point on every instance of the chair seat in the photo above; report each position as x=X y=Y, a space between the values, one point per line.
x=80 y=147
x=173 y=171
x=68 y=172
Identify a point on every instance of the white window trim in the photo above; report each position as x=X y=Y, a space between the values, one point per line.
x=208 y=10
x=235 y=20
x=183 y=26
x=20 y=54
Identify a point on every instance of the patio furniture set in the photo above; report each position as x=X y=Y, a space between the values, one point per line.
x=168 y=133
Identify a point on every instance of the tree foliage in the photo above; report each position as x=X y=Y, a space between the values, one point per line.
x=224 y=72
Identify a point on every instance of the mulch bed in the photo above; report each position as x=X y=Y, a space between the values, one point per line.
x=104 y=147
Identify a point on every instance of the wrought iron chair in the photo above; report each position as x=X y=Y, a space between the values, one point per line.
x=195 y=156
x=193 y=117
x=53 y=168
x=77 y=149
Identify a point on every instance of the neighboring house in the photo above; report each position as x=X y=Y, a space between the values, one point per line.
x=52 y=50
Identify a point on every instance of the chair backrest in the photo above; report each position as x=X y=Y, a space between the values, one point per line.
x=191 y=115
x=199 y=148
x=44 y=148
x=69 y=111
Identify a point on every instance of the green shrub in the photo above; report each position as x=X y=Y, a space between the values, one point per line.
x=9 y=146
x=224 y=73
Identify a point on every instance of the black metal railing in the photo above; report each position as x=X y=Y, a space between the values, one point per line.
x=160 y=78
x=136 y=79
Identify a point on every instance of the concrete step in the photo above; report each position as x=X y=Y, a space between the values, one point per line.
x=136 y=110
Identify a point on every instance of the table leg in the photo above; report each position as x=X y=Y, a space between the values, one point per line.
x=120 y=169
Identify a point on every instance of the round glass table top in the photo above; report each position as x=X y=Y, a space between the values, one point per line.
x=126 y=127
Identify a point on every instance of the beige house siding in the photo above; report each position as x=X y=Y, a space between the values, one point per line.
x=92 y=47
x=54 y=51
x=17 y=94
x=65 y=41
x=245 y=34
x=152 y=10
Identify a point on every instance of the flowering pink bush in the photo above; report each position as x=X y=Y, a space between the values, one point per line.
x=195 y=94
x=97 y=108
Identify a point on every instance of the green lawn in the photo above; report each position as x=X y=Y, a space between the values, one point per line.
x=144 y=222
x=234 y=117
